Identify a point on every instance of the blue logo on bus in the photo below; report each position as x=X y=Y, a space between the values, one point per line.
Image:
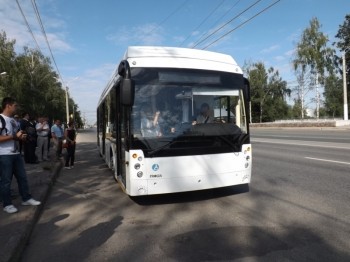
x=155 y=167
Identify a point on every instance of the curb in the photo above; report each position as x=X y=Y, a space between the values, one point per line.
x=16 y=253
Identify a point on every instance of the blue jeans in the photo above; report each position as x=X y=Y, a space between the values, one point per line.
x=13 y=165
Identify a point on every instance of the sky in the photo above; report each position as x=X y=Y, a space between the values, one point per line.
x=88 y=38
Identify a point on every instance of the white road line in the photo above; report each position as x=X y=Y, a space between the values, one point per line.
x=327 y=160
x=303 y=143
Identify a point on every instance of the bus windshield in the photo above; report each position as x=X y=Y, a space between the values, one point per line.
x=183 y=110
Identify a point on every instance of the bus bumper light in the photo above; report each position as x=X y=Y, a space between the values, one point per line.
x=139 y=174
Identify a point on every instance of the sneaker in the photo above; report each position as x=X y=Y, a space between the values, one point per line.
x=67 y=167
x=10 y=209
x=31 y=202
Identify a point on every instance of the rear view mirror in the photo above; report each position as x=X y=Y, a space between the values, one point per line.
x=127 y=92
x=127 y=86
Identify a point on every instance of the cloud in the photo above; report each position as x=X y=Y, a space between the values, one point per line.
x=290 y=53
x=86 y=89
x=279 y=58
x=147 y=34
x=270 y=49
x=15 y=27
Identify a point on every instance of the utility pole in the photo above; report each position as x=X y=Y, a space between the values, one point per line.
x=317 y=99
x=67 y=105
x=346 y=113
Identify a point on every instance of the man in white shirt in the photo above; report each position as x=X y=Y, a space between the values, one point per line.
x=11 y=161
x=57 y=134
x=42 y=130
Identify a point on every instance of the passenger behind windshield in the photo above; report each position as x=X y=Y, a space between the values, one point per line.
x=204 y=115
x=150 y=122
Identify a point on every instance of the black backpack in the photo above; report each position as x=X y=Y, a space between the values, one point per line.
x=3 y=124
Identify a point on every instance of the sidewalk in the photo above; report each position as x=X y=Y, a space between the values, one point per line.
x=15 y=229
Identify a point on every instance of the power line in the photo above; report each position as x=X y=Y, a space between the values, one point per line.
x=28 y=26
x=245 y=10
x=45 y=36
x=170 y=15
x=217 y=21
x=240 y=25
x=203 y=21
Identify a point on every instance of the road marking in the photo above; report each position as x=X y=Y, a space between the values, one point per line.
x=302 y=143
x=327 y=160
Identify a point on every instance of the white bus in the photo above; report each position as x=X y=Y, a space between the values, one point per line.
x=175 y=120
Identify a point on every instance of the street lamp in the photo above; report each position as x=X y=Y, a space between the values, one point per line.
x=3 y=74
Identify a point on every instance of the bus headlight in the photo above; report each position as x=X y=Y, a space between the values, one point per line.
x=139 y=174
x=137 y=166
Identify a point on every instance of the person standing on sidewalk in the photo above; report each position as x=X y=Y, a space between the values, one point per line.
x=42 y=130
x=28 y=126
x=11 y=161
x=70 y=135
x=57 y=137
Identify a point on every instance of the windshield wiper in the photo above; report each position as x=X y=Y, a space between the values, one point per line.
x=239 y=141
x=151 y=153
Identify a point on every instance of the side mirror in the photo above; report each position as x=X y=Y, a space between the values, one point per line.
x=127 y=86
x=247 y=88
x=127 y=92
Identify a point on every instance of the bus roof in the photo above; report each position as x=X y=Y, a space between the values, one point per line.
x=175 y=57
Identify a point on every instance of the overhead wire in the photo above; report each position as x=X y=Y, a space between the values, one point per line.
x=170 y=15
x=203 y=21
x=218 y=20
x=28 y=26
x=45 y=36
x=232 y=19
x=240 y=25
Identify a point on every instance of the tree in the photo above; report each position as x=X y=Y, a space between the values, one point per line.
x=313 y=55
x=7 y=58
x=304 y=86
x=31 y=80
x=344 y=46
x=333 y=96
x=344 y=41
x=268 y=93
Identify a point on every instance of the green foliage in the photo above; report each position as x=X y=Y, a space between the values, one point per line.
x=344 y=42
x=312 y=52
x=333 y=96
x=31 y=80
x=318 y=62
x=268 y=92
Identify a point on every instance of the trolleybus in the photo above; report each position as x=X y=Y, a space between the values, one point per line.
x=174 y=120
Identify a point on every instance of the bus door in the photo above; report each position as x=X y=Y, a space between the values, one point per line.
x=103 y=129
x=122 y=138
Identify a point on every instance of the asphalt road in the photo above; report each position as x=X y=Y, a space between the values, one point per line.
x=297 y=209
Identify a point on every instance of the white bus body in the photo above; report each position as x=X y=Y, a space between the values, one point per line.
x=177 y=153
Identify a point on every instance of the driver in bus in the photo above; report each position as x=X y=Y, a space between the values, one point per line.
x=204 y=115
x=150 y=122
